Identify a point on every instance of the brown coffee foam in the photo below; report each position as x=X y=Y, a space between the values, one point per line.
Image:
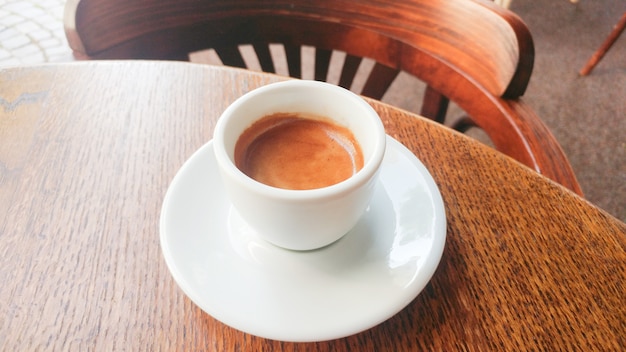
x=298 y=152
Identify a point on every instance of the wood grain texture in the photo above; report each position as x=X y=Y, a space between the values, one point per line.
x=87 y=151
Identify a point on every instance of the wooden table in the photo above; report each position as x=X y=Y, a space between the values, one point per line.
x=87 y=151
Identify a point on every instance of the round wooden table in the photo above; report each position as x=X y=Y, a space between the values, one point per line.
x=88 y=150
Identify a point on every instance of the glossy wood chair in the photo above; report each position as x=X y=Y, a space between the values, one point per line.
x=471 y=52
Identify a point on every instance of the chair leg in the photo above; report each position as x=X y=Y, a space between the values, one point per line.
x=434 y=105
x=463 y=124
x=597 y=56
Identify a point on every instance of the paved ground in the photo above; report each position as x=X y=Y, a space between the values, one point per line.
x=31 y=31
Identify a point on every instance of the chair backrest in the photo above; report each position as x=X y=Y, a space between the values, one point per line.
x=470 y=52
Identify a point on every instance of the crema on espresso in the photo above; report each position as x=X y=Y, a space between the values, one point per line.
x=298 y=152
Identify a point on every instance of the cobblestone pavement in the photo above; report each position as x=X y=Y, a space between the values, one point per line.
x=31 y=31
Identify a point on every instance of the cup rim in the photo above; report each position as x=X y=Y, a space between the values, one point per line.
x=369 y=169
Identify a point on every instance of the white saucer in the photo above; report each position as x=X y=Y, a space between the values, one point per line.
x=361 y=280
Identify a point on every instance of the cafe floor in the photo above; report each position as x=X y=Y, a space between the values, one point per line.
x=586 y=114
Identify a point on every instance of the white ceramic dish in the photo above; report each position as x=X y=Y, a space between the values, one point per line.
x=363 y=279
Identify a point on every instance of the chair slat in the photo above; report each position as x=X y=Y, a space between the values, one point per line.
x=322 y=63
x=348 y=72
x=379 y=81
x=434 y=105
x=294 y=60
x=265 y=57
x=231 y=56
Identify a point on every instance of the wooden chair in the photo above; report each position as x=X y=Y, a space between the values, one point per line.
x=604 y=48
x=471 y=52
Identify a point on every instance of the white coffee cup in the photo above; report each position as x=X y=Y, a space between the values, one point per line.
x=301 y=219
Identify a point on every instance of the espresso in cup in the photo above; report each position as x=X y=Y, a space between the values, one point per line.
x=266 y=148
x=298 y=151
